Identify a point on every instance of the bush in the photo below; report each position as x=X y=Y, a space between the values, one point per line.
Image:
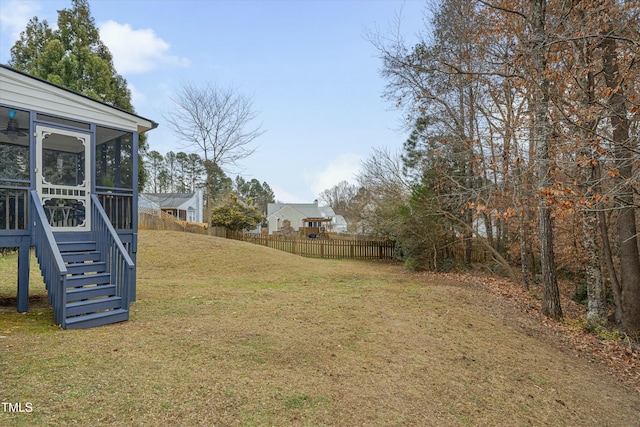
x=447 y=265
x=235 y=215
x=580 y=294
x=581 y=297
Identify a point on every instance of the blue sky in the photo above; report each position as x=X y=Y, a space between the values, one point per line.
x=313 y=75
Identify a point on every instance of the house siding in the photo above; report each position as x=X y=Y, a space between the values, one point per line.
x=178 y=204
x=32 y=94
x=285 y=213
x=295 y=213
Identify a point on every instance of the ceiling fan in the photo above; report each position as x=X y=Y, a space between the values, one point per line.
x=13 y=130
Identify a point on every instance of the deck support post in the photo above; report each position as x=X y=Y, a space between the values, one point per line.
x=23 y=274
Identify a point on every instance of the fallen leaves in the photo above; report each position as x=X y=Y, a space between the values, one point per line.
x=621 y=356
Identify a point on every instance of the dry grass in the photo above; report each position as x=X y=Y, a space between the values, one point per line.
x=229 y=333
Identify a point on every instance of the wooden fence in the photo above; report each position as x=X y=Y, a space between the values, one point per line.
x=458 y=251
x=151 y=219
x=321 y=248
x=314 y=248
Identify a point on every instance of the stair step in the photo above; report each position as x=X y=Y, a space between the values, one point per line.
x=77 y=246
x=91 y=292
x=88 y=279
x=87 y=267
x=70 y=257
x=97 y=319
x=93 y=305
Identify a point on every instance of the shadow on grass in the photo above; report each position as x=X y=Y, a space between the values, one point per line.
x=39 y=301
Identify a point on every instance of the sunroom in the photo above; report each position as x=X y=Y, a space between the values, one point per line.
x=68 y=188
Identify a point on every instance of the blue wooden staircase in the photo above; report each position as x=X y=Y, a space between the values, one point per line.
x=89 y=276
x=91 y=298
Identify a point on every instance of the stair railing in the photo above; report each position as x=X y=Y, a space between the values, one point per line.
x=52 y=266
x=117 y=259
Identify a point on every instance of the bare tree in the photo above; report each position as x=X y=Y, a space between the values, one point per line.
x=386 y=187
x=342 y=198
x=541 y=134
x=217 y=123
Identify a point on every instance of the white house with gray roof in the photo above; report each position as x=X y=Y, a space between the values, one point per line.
x=304 y=217
x=185 y=206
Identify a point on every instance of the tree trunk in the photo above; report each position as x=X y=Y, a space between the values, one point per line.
x=522 y=228
x=468 y=244
x=524 y=269
x=624 y=147
x=551 y=295
x=527 y=260
x=596 y=296
x=486 y=218
x=608 y=257
x=588 y=183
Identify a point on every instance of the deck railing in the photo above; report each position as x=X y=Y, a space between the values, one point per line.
x=52 y=266
x=118 y=206
x=14 y=198
x=117 y=259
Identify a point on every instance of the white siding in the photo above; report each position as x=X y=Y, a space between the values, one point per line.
x=276 y=220
x=28 y=93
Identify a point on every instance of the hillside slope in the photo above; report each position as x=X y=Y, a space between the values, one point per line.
x=229 y=333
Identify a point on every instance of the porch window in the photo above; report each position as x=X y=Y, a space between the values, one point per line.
x=114 y=158
x=14 y=144
x=114 y=175
x=14 y=168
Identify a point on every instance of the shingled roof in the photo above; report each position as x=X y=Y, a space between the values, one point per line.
x=308 y=210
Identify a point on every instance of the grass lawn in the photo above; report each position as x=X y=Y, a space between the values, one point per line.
x=229 y=333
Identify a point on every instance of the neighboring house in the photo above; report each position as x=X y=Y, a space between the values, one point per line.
x=68 y=188
x=184 y=206
x=338 y=224
x=306 y=218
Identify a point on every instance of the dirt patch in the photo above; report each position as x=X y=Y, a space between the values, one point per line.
x=34 y=301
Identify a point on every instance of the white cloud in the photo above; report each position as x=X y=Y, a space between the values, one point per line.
x=15 y=14
x=137 y=51
x=137 y=97
x=342 y=168
x=284 y=196
x=14 y=17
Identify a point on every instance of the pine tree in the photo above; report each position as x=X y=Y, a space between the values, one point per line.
x=73 y=56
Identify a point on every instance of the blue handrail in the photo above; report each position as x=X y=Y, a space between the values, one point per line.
x=117 y=259
x=52 y=266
